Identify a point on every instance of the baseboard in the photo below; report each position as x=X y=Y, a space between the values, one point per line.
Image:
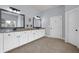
x=78 y=47
x=65 y=40
x=55 y=37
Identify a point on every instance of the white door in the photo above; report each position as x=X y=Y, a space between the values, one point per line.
x=9 y=41
x=73 y=18
x=56 y=27
x=1 y=42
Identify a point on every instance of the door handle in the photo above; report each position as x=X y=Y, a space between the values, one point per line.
x=76 y=30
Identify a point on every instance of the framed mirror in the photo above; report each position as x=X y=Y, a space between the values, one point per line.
x=37 y=22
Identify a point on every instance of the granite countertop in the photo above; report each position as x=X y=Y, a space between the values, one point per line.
x=26 y=29
x=20 y=29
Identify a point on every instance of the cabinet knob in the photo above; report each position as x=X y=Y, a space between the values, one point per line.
x=8 y=34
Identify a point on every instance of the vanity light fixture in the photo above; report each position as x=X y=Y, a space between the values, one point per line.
x=12 y=9
x=37 y=17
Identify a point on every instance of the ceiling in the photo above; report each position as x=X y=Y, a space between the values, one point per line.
x=30 y=9
x=38 y=8
x=43 y=7
x=34 y=9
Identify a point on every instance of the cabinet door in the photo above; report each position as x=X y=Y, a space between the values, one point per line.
x=1 y=42
x=9 y=41
x=23 y=38
x=26 y=36
x=35 y=34
x=31 y=36
x=18 y=37
x=41 y=33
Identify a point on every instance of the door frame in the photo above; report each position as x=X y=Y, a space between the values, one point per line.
x=61 y=29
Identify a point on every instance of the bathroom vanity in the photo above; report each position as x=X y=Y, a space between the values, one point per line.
x=13 y=33
x=11 y=40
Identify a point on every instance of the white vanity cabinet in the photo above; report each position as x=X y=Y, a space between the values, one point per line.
x=23 y=38
x=1 y=42
x=31 y=35
x=41 y=33
x=19 y=38
x=14 y=39
x=9 y=41
x=38 y=33
x=35 y=34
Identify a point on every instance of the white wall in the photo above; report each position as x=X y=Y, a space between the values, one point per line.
x=59 y=11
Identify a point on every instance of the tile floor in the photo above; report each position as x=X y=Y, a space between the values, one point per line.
x=46 y=45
